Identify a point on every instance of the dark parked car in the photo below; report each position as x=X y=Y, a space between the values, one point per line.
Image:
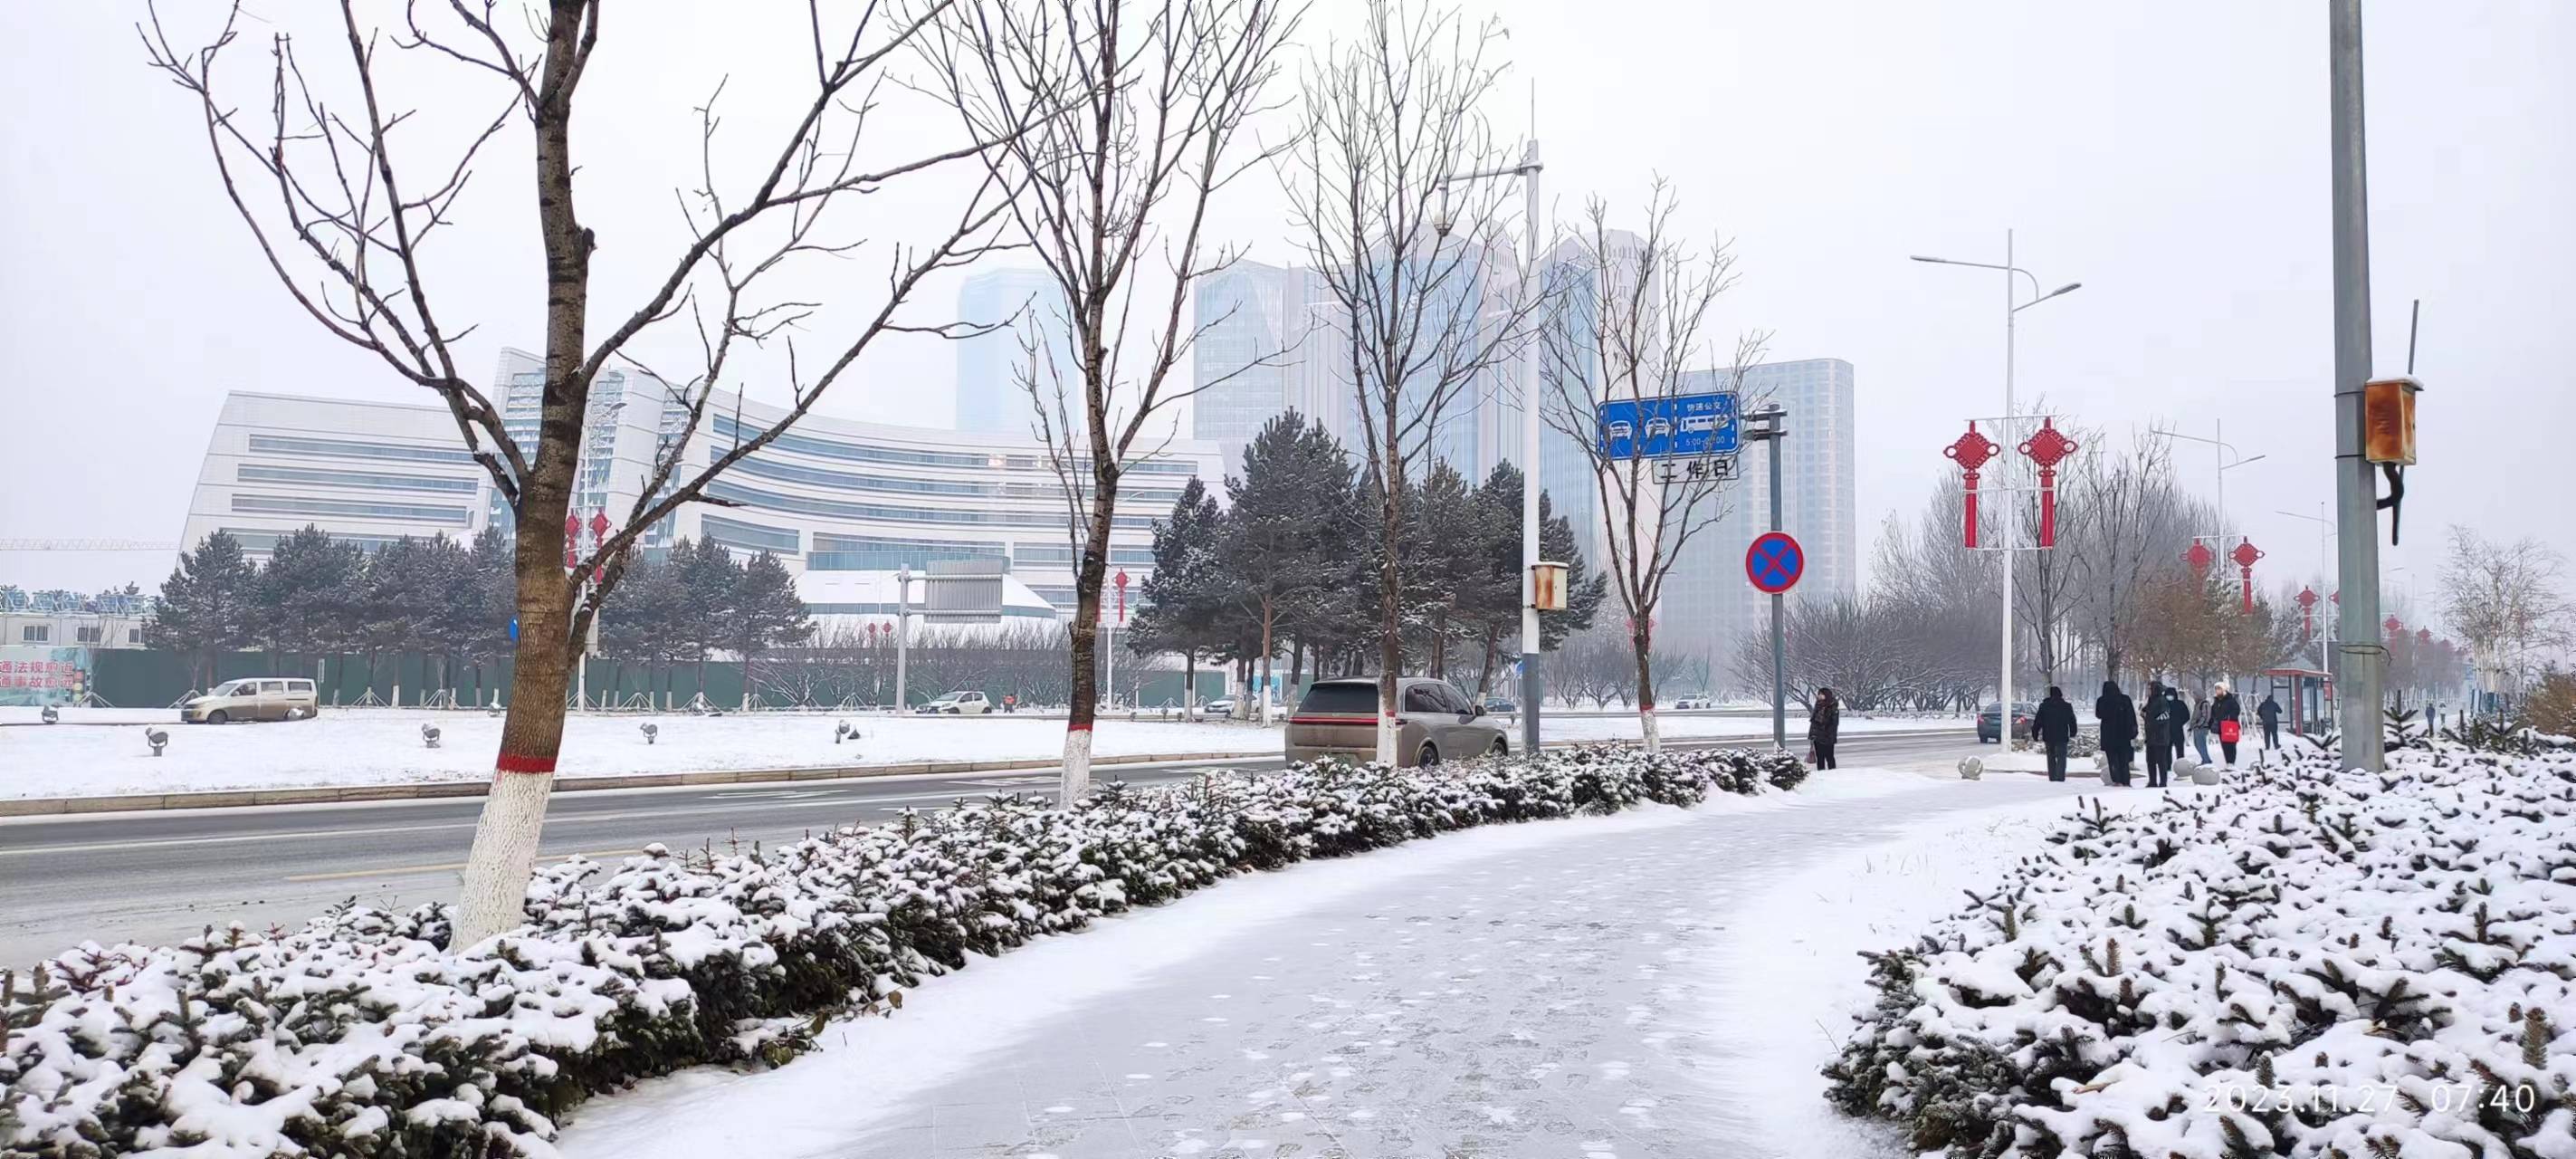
x=1987 y=726
x=1435 y=722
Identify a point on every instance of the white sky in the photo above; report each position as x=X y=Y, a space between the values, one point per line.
x=2172 y=157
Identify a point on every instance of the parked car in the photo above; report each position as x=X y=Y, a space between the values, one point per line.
x=1434 y=722
x=1988 y=728
x=1500 y=706
x=1221 y=706
x=963 y=702
x=1690 y=702
x=253 y=698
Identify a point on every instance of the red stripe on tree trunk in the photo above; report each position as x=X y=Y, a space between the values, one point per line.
x=514 y=763
x=1084 y=726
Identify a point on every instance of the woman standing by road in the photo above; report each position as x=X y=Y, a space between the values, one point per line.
x=1825 y=726
x=2228 y=717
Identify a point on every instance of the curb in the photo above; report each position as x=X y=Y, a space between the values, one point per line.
x=236 y=798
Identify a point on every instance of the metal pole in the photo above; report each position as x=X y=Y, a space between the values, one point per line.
x=1777 y=432
x=902 y=634
x=1532 y=688
x=2012 y=500
x=2356 y=493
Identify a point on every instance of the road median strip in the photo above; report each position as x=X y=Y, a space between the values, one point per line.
x=422 y=790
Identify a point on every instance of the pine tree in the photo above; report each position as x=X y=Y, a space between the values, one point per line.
x=1585 y=588
x=710 y=584
x=765 y=612
x=491 y=599
x=209 y=604
x=392 y=602
x=642 y=624
x=302 y=593
x=1181 y=607
x=447 y=591
x=1280 y=539
x=1445 y=556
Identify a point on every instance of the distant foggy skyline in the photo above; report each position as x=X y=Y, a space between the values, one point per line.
x=2172 y=158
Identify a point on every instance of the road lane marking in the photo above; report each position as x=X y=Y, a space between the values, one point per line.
x=449 y=867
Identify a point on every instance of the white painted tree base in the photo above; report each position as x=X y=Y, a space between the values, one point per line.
x=494 y=897
x=1075 y=784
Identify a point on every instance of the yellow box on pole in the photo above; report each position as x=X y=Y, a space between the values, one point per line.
x=1547 y=586
x=2388 y=420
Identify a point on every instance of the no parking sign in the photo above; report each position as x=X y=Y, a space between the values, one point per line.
x=1774 y=562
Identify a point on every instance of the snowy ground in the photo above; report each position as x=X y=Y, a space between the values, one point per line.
x=1787 y=998
x=1569 y=988
x=383 y=746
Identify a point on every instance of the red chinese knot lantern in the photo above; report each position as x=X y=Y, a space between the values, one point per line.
x=2243 y=557
x=1971 y=451
x=2199 y=557
x=2308 y=611
x=2048 y=448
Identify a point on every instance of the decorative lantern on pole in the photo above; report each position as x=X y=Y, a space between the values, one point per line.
x=2394 y=626
x=2424 y=636
x=2048 y=448
x=2307 y=611
x=1971 y=451
x=572 y=541
x=2199 y=557
x=599 y=540
x=2244 y=556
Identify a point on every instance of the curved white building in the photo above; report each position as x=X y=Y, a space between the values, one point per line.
x=830 y=495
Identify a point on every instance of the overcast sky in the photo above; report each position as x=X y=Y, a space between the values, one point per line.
x=2172 y=157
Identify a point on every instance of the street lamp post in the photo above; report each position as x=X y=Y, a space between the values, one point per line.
x=2012 y=310
x=1532 y=689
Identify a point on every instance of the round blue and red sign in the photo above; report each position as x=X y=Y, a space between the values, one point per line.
x=1774 y=562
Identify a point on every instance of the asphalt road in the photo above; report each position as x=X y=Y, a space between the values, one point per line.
x=161 y=876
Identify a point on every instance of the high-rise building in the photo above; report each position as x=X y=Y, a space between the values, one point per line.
x=1708 y=606
x=1251 y=323
x=631 y=421
x=1570 y=371
x=994 y=368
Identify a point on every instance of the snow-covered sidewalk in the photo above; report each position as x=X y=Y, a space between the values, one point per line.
x=1564 y=988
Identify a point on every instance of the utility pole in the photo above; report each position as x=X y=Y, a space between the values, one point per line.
x=902 y=634
x=2356 y=492
x=1773 y=428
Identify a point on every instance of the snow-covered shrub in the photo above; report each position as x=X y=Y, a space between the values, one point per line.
x=360 y=1035
x=2311 y=962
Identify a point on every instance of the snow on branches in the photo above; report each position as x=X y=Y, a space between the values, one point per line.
x=361 y=1035
x=2312 y=963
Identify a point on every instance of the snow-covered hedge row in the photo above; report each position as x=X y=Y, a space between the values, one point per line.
x=360 y=1035
x=2308 y=962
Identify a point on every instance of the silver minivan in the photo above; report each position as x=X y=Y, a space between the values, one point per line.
x=253 y=698
x=1435 y=722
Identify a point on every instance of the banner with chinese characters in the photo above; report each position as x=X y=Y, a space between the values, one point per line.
x=31 y=677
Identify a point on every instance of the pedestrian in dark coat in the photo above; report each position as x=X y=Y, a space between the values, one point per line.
x=2200 y=725
x=1825 y=726
x=2224 y=710
x=2119 y=717
x=2177 y=718
x=2270 y=713
x=2158 y=711
x=2054 y=723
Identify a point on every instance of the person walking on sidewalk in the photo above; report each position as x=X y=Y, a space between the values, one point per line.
x=2158 y=711
x=2054 y=724
x=2269 y=712
x=2200 y=725
x=2119 y=717
x=2177 y=719
x=2228 y=717
x=1825 y=726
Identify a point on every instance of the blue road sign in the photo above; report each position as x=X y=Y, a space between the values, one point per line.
x=514 y=629
x=1774 y=562
x=1681 y=426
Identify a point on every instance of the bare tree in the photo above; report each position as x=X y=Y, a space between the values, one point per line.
x=1418 y=282
x=2134 y=524
x=2047 y=584
x=1941 y=594
x=1133 y=112
x=1627 y=328
x=344 y=195
x=2509 y=604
